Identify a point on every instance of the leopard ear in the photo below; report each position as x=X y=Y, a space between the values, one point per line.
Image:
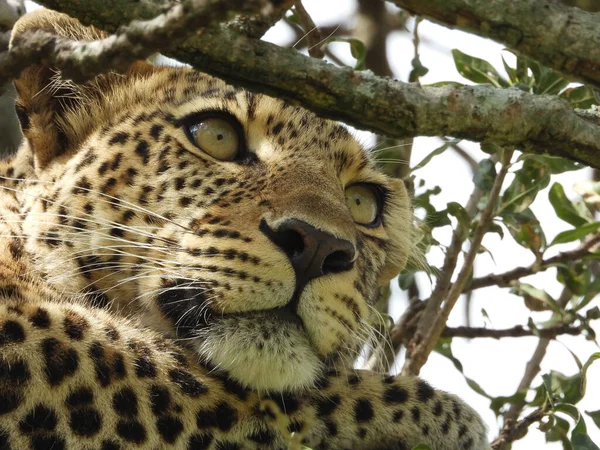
x=44 y=98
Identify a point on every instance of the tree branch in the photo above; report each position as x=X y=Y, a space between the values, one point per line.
x=445 y=294
x=505 y=116
x=513 y=431
x=81 y=61
x=516 y=331
x=561 y=37
x=506 y=278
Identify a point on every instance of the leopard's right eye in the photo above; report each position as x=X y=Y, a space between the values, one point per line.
x=215 y=135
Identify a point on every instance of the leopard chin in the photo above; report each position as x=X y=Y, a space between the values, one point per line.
x=261 y=351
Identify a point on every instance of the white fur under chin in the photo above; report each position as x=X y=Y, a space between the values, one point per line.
x=285 y=362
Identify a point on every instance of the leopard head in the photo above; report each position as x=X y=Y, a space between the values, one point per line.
x=250 y=229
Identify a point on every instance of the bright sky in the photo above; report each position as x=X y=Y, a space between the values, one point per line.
x=496 y=365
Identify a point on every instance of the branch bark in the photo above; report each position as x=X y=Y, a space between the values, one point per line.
x=558 y=36
x=516 y=331
x=506 y=278
x=508 y=117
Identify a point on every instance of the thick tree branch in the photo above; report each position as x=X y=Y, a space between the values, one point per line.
x=83 y=60
x=509 y=117
x=558 y=36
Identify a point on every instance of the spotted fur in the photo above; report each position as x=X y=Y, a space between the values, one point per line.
x=145 y=301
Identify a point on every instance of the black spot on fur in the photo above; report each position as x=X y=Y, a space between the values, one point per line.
x=415 y=412
x=363 y=410
x=14 y=372
x=328 y=405
x=262 y=437
x=11 y=332
x=110 y=445
x=225 y=445
x=131 y=431
x=40 y=319
x=424 y=391
x=47 y=442
x=118 y=138
x=395 y=394
x=16 y=248
x=9 y=400
x=145 y=368
x=160 y=399
x=80 y=397
x=75 y=326
x=125 y=402
x=86 y=422
x=286 y=402
x=223 y=416
x=169 y=428
x=40 y=418
x=200 y=441
x=187 y=383
x=60 y=361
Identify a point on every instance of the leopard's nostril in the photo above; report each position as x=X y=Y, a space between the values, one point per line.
x=312 y=252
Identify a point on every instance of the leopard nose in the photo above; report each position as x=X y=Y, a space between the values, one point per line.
x=312 y=252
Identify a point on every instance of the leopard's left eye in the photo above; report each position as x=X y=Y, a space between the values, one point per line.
x=364 y=204
x=215 y=135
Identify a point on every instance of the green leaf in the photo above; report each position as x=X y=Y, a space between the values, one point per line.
x=586 y=366
x=512 y=73
x=534 y=296
x=357 y=49
x=565 y=209
x=437 y=151
x=555 y=163
x=485 y=174
x=421 y=447
x=456 y=210
x=526 y=230
x=497 y=403
x=418 y=70
x=477 y=70
x=563 y=388
x=595 y=415
x=577 y=233
x=581 y=97
x=558 y=430
x=528 y=181
x=580 y=438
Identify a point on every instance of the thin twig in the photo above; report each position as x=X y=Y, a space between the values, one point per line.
x=516 y=331
x=515 y=431
x=507 y=278
x=312 y=32
x=427 y=335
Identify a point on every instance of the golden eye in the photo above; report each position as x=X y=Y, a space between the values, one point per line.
x=216 y=136
x=363 y=202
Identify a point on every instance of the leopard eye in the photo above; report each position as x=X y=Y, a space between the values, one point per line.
x=217 y=136
x=364 y=204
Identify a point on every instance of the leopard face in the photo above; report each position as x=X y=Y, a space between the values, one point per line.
x=248 y=228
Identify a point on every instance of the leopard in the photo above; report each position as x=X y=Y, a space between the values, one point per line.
x=186 y=264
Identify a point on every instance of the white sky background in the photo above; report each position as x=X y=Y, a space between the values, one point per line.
x=496 y=365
